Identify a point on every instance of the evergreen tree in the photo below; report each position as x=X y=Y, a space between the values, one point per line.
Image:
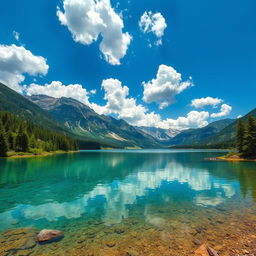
x=22 y=135
x=3 y=141
x=22 y=140
x=240 y=136
x=32 y=142
x=251 y=137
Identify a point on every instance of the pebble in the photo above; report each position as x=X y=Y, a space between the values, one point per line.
x=197 y=242
x=110 y=243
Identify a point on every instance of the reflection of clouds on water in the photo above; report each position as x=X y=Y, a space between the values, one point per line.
x=121 y=193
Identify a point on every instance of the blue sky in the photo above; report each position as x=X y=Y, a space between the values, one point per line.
x=214 y=42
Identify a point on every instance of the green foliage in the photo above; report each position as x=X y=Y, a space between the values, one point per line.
x=24 y=136
x=21 y=142
x=240 y=134
x=246 y=137
x=3 y=141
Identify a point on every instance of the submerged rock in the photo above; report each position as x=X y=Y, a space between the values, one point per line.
x=202 y=251
x=211 y=251
x=205 y=250
x=17 y=241
x=197 y=242
x=49 y=235
x=132 y=253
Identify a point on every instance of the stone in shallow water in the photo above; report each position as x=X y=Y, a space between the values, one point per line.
x=48 y=235
x=18 y=241
x=132 y=253
x=24 y=252
x=197 y=242
x=110 y=243
x=202 y=251
x=211 y=251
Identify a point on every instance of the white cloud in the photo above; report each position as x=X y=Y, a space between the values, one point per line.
x=207 y=101
x=239 y=116
x=16 y=35
x=123 y=106
x=120 y=104
x=194 y=119
x=87 y=20
x=57 y=90
x=153 y=23
x=15 y=61
x=224 y=111
x=163 y=89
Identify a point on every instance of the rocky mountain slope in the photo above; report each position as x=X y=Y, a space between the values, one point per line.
x=83 y=121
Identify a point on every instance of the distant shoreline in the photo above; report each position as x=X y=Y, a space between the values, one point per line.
x=14 y=155
x=234 y=158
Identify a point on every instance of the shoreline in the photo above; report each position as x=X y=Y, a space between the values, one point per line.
x=230 y=159
x=30 y=155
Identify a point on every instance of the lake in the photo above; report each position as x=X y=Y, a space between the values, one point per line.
x=134 y=202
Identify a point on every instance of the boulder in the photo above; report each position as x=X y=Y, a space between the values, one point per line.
x=49 y=235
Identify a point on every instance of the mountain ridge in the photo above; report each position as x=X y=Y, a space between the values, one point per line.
x=84 y=121
x=193 y=136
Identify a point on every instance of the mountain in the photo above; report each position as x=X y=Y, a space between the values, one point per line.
x=84 y=121
x=15 y=103
x=161 y=135
x=227 y=135
x=195 y=136
x=24 y=109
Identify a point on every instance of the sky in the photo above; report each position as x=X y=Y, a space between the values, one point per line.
x=171 y=64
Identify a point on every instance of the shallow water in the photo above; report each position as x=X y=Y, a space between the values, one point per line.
x=137 y=202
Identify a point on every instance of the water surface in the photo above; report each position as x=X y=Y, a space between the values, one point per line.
x=132 y=198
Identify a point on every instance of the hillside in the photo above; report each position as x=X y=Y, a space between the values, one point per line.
x=195 y=136
x=15 y=103
x=227 y=135
x=83 y=121
x=24 y=109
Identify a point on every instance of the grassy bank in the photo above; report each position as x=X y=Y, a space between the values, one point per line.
x=233 y=157
x=13 y=154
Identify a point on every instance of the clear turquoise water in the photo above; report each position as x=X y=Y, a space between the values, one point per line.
x=152 y=186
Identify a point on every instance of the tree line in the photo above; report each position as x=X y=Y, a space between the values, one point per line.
x=246 y=137
x=23 y=136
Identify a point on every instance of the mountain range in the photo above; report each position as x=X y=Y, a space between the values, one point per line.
x=84 y=121
x=91 y=130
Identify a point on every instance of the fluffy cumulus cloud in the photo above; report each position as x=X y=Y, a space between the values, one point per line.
x=194 y=119
x=207 y=101
x=57 y=90
x=153 y=23
x=88 y=19
x=119 y=103
x=163 y=89
x=224 y=111
x=15 y=62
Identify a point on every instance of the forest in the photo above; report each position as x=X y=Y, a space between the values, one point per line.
x=17 y=135
x=246 y=137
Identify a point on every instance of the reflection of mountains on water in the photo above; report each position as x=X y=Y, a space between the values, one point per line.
x=113 y=183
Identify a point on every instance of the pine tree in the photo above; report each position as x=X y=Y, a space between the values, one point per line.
x=3 y=141
x=32 y=142
x=240 y=136
x=251 y=137
x=22 y=140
